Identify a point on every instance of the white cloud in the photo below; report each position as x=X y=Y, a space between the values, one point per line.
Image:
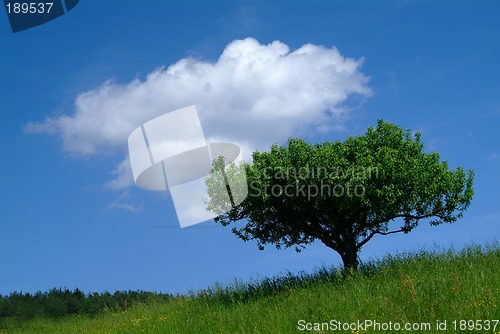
x=253 y=95
x=493 y=156
x=122 y=176
x=124 y=206
x=120 y=203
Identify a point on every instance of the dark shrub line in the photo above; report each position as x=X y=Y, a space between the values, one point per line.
x=57 y=303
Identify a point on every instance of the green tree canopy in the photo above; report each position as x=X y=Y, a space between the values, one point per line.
x=342 y=193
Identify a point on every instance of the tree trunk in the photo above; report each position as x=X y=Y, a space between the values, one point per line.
x=349 y=255
x=348 y=252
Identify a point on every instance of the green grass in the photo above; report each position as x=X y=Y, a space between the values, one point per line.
x=420 y=287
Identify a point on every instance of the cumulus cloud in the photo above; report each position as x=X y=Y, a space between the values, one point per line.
x=253 y=95
x=122 y=176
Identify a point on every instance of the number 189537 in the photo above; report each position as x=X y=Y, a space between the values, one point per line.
x=29 y=7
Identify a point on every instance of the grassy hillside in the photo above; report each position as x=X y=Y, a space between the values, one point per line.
x=421 y=289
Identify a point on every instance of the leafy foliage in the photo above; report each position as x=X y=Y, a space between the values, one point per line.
x=342 y=193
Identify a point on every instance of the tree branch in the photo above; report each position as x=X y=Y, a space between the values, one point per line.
x=359 y=245
x=387 y=233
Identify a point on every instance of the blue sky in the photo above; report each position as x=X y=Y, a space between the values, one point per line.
x=67 y=219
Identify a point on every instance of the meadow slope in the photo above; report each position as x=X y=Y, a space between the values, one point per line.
x=420 y=289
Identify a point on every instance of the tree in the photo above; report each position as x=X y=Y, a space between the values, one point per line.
x=341 y=193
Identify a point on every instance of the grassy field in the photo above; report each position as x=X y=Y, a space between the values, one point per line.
x=421 y=289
